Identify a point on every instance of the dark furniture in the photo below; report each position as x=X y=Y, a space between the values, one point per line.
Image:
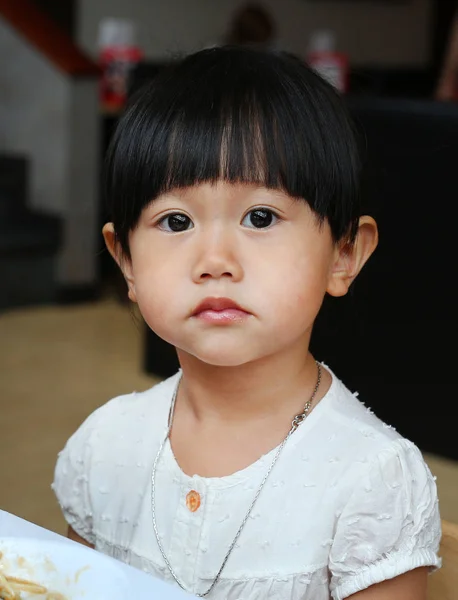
x=394 y=337
x=29 y=241
x=393 y=82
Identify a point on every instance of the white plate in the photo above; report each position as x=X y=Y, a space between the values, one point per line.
x=77 y=572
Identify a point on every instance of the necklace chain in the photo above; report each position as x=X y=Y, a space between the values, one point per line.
x=298 y=419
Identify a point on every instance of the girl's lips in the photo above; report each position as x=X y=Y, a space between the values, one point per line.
x=228 y=315
x=220 y=310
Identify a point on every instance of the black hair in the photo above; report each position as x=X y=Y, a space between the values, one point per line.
x=241 y=115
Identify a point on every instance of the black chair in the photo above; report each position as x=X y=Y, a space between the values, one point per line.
x=393 y=337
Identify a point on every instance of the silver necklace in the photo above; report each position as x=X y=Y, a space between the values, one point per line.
x=298 y=419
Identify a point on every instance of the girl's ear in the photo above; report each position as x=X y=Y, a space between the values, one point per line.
x=350 y=258
x=123 y=261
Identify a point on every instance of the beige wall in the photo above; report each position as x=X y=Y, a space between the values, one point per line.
x=372 y=32
x=53 y=120
x=33 y=120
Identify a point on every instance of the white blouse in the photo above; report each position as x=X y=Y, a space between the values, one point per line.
x=350 y=503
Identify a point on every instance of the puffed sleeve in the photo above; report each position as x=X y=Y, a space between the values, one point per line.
x=389 y=525
x=71 y=480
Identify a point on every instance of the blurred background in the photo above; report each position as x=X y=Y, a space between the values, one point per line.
x=69 y=340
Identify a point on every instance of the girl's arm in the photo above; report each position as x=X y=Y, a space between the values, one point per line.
x=409 y=586
x=72 y=535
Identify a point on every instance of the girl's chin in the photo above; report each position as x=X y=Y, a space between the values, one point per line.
x=220 y=359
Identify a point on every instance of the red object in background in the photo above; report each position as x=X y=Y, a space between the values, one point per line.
x=332 y=66
x=116 y=63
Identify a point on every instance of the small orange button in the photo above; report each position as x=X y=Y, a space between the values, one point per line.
x=193 y=500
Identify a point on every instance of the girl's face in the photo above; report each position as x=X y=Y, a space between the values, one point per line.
x=231 y=273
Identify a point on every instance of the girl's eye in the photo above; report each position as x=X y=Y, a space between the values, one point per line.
x=260 y=218
x=175 y=222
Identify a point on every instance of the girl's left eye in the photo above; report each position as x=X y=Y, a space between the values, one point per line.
x=260 y=218
x=175 y=222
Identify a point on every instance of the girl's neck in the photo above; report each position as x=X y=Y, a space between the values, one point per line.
x=262 y=389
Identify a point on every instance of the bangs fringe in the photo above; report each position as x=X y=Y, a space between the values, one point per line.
x=237 y=144
x=244 y=117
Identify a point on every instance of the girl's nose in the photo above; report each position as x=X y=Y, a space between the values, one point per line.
x=217 y=259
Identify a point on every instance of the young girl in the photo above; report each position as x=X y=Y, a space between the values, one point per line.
x=253 y=473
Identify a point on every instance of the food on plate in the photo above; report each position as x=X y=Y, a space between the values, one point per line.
x=11 y=588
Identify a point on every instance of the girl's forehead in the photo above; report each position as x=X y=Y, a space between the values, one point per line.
x=225 y=189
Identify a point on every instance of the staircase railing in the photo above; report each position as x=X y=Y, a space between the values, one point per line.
x=48 y=38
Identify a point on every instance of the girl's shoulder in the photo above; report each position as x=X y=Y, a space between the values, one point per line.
x=346 y=432
x=112 y=443
x=129 y=415
x=154 y=401
x=353 y=418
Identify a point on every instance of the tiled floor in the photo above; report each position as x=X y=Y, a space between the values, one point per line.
x=57 y=364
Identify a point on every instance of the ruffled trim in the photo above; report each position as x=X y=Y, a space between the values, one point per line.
x=394 y=565
x=312 y=583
